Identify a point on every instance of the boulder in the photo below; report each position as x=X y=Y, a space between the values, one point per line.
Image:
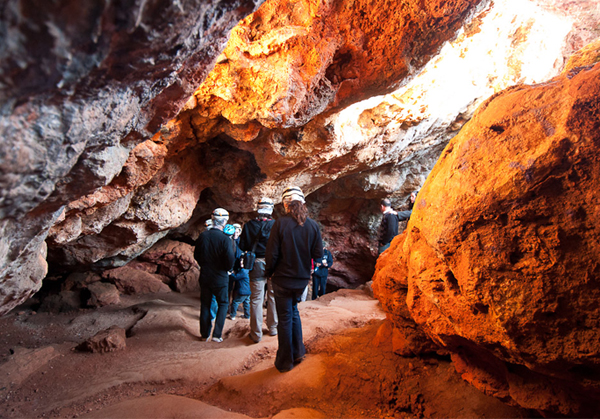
x=109 y=340
x=103 y=294
x=80 y=280
x=188 y=281
x=132 y=281
x=500 y=262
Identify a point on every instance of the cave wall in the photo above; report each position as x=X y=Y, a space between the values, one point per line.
x=81 y=84
x=498 y=264
x=94 y=168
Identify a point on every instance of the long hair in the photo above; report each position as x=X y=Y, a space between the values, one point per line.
x=298 y=211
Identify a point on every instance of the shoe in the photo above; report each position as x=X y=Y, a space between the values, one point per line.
x=284 y=369
x=255 y=340
x=203 y=339
x=232 y=318
x=218 y=340
x=299 y=360
x=246 y=317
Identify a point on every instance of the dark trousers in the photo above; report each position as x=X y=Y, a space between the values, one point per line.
x=319 y=285
x=206 y=296
x=289 y=330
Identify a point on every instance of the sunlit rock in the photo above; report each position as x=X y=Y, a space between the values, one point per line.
x=499 y=259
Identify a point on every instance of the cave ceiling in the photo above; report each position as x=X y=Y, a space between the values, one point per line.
x=122 y=125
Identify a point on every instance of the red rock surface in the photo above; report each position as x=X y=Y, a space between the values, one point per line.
x=500 y=258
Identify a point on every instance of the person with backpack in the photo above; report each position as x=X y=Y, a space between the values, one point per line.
x=253 y=239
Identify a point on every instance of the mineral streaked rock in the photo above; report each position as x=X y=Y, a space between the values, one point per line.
x=500 y=258
x=81 y=84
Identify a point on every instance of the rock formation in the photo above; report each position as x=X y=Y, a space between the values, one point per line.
x=499 y=262
x=81 y=85
x=127 y=123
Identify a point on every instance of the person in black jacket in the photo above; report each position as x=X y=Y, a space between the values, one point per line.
x=388 y=228
x=254 y=237
x=295 y=240
x=215 y=253
x=320 y=273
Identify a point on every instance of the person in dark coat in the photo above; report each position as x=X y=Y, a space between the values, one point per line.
x=320 y=273
x=388 y=229
x=257 y=231
x=239 y=282
x=215 y=253
x=294 y=242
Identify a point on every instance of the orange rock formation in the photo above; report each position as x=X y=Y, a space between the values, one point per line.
x=499 y=263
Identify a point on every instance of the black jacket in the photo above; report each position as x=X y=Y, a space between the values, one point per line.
x=251 y=230
x=290 y=251
x=388 y=228
x=215 y=253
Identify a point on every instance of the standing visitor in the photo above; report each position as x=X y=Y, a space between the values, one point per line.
x=255 y=235
x=215 y=253
x=320 y=273
x=239 y=282
x=295 y=240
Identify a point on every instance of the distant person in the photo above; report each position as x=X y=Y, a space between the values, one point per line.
x=320 y=273
x=294 y=242
x=254 y=238
x=239 y=282
x=215 y=253
x=388 y=228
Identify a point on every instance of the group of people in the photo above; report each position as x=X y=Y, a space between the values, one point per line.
x=287 y=251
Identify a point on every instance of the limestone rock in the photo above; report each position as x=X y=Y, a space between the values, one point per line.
x=500 y=258
x=188 y=281
x=171 y=257
x=133 y=281
x=103 y=294
x=110 y=340
x=81 y=84
x=79 y=280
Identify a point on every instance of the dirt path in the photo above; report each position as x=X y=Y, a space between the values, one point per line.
x=165 y=371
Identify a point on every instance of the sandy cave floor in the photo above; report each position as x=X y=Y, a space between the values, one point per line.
x=166 y=371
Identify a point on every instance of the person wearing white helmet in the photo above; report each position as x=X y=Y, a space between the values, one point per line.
x=294 y=242
x=215 y=253
x=254 y=237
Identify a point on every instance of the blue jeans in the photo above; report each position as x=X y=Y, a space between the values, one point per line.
x=237 y=299
x=289 y=330
x=319 y=285
x=207 y=293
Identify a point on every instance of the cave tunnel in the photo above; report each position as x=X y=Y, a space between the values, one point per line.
x=126 y=124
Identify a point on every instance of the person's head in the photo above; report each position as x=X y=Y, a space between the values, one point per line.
x=238 y=230
x=293 y=202
x=219 y=217
x=385 y=204
x=413 y=196
x=265 y=206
